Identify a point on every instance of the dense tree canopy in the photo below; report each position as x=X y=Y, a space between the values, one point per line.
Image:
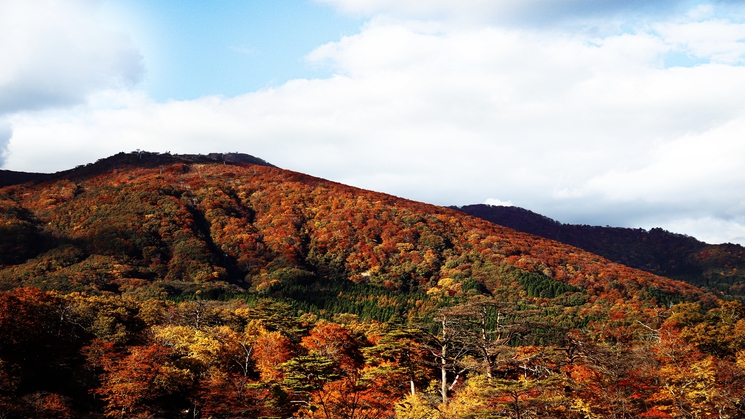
x=203 y=290
x=151 y=359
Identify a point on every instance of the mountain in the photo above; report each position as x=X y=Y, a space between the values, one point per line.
x=9 y=177
x=157 y=285
x=719 y=268
x=169 y=224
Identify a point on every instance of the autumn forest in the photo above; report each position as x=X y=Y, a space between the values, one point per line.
x=153 y=285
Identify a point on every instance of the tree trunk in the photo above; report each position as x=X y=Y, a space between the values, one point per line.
x=487 y=354
x=443 y=369
x=443 y=363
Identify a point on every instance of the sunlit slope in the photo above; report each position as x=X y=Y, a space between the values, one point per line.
x=173 y=228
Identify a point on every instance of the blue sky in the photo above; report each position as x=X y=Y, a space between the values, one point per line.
x=195 y=48
x=588 y=111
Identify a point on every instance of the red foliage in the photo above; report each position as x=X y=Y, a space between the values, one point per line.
x=134 y=382
x=334 y=342
x=271 y=350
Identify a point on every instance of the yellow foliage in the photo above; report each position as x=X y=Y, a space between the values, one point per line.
x=413 y=406
x=583 y=407
x=172 y=378
x=202 y=346
x=254 y=328
x=741 y=359
x=152 y=311
x=471 y=401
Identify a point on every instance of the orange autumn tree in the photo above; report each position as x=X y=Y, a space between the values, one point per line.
x=333 y=378
x=139 y=382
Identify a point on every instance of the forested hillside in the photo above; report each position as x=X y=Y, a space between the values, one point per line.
x=170 y=229
x=714 y=267
x=150 y=285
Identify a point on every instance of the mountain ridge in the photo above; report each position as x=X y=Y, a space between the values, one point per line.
x=122 y=224
x=677 y=256
x=136 y=158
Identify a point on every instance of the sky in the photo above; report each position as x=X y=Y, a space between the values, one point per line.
x=622 y=113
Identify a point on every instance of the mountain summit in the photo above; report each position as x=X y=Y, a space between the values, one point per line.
x=136 y=158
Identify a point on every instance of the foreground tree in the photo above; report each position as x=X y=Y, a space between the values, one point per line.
x=140 y=382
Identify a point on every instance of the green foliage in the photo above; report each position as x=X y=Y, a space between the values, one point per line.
x=309 y=372
x=662 y=297
x=537 y=285
x=367 y=301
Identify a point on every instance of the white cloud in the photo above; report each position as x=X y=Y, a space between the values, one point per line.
x=498 y=202
x=710 y=229
x=709 y=163
x=507 y=11
x=5 y=133
x=557 y=122
x=56 y=53
x=717 y=40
